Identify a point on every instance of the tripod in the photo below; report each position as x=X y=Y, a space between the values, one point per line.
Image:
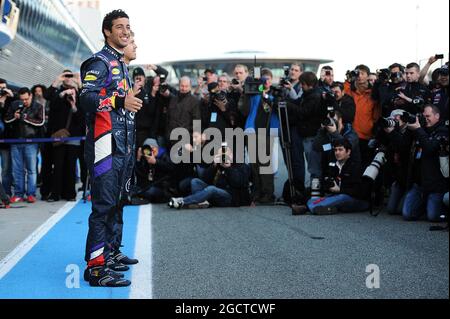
x=286 y=145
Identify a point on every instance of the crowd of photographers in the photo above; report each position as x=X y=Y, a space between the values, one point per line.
x=350 y=144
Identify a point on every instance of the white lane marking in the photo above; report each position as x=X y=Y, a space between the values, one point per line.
x=141 y=280
x=20 y=251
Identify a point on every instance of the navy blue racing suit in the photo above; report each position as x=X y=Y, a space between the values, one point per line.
x=109 y=149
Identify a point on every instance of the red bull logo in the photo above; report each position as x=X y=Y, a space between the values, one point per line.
x=105 y=105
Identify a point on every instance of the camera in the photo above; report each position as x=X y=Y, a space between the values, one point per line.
x=286 y=79
x=439 y=56
x=443 y=71
x=396 y=76
x=330 y=117
x=383 y=75
x=328 y=182
x=373 y=169
x=163 y=88
x=252 y=85
x=147 y=150
x=224 y=152
x=408 y=118
x=235 y=82
x=388 y=122
x=328 y=73
x=68 y=76
x=3 y=92
x=215 y=93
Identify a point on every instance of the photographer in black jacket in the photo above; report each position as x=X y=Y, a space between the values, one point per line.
x=398 y=141
x=65 y=116
x=345 y=104
x=6 y=98
x=343 y=183
x=154 y=171
x=428 y=183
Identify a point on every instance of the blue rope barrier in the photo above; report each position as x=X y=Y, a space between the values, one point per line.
x=41 y=140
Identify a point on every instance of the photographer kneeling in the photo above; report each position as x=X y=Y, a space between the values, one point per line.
x=154 y=171
x=230 y=186
x=429 y=184
x=343 y=181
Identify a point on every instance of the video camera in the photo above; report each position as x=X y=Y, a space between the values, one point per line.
x=252 y=85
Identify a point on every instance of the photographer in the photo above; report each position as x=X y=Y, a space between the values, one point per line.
x=201 y=91
x=440 y=92
x=6 y=98
x=230 y=186
x=309 y=115
x=183 y=109
x=414 y=95
x=65 y=119
x=146 y=118
x=26 y=118
x=345 y=104
x=367 y=112
x=293 y=84
x=398 y=141
x=428 y=183
x=326 y=78
x=261 y=114
x=153 y=171
x=343 y=182
x=218 y=108
x=335 y=128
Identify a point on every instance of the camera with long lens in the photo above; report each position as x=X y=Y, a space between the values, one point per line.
x=388 y=122
x=374 y=168
x=443 y=155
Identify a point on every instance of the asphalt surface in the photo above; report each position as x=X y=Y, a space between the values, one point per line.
x=265 y=252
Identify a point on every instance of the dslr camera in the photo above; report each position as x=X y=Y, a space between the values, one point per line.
x=215 y=93
x=3 y=92
x=286 y=79
x=163 y=87
x=328 y=182
x=384 y=75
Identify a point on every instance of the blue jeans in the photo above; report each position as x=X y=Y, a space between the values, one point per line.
x=154 y=194
x=313 y=159
x=396 y=199
x=343 y=202
x=7 y=177
x=24 y=158
x=203 y=192
x=417 y=202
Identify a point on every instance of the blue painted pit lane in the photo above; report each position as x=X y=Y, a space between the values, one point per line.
x=41 y=273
